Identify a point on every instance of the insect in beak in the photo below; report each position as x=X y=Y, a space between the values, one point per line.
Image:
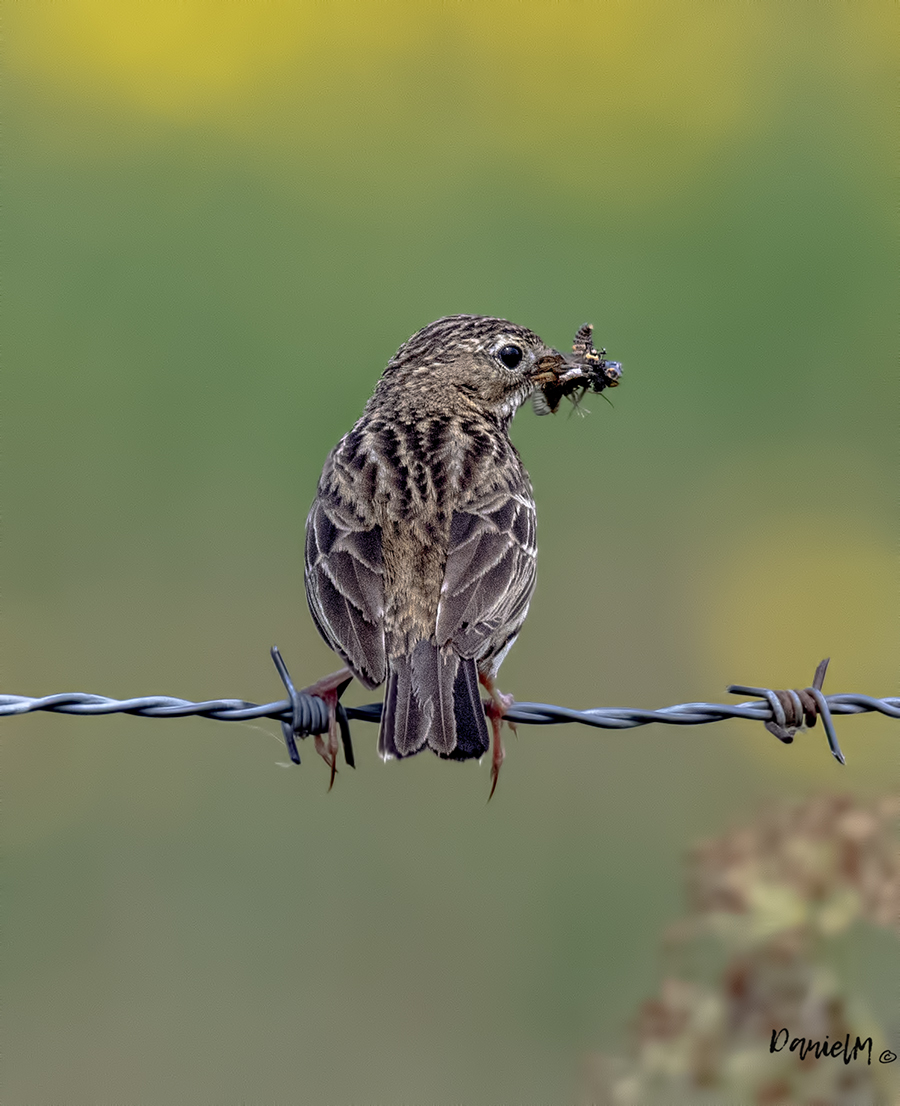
x=586 y=370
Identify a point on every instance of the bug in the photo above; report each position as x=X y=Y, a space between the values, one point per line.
x=587 y=371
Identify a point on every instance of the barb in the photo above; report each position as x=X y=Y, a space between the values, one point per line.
x=304 y=715
x=791 y=708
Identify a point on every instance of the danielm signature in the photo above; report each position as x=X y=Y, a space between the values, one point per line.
x=806 y=1045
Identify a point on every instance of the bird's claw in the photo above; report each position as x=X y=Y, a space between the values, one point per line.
x=330 y=688
x=496 y=708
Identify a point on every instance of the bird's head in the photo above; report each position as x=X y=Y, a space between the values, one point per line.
x=489 y=363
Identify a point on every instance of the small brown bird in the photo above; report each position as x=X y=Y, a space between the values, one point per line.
x=420 y=544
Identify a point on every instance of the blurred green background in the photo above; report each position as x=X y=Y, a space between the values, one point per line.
x=220 y=220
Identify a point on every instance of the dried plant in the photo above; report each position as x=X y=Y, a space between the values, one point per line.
x=774 y=1026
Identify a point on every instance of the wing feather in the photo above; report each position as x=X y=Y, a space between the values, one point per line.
x=489 y=575
x=345 y=583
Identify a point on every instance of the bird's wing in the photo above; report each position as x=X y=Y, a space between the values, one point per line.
x=490 y=573
x=345 y=580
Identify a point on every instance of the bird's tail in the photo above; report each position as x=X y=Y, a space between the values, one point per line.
x=432 y=700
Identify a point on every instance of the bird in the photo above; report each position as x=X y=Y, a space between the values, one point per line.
x=421 y=550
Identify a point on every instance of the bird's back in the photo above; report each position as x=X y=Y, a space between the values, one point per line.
x=420 y=556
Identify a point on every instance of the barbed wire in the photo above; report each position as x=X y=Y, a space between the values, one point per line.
x=302 y=715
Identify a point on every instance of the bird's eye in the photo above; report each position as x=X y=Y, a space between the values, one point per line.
x=510 y=356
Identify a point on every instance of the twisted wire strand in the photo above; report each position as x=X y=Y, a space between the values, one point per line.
x=303 y=714
x=533 y=714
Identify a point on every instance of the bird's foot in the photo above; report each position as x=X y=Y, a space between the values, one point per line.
x=330 y=688
x=496 y=709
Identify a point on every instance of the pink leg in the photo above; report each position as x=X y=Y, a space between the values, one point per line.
x=327 y=689
x=497 y=707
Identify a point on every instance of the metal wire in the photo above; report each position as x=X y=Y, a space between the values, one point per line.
x=530 y=714
x=304 y=715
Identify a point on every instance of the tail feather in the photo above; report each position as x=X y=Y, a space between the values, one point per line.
x=432 y=699
x=434 y=673
x=471 y=725
x=403 y=730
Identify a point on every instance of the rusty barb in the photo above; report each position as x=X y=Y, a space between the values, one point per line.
x=790 y=709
